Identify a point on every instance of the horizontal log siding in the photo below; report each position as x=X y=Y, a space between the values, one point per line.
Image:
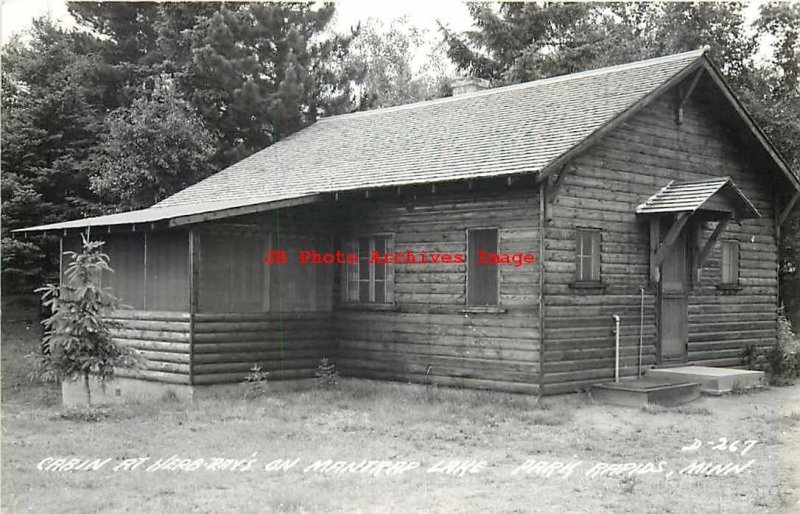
x=162 y=338
x=602 y=189
x=287 y=345
x=426 y=338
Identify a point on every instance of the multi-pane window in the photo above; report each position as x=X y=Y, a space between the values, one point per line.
x=729 y=263
x=587 y=255
x=481 y=277
x=370 y=279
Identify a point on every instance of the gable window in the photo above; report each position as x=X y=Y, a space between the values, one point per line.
x=587 y=255
x=729 y=263
x=482 y=283
x=369 y=280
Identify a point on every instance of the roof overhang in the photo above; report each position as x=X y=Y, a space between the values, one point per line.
x=719 y=197
x=174 y=214
x=702 y=64
x=747 y=119
x=178 y=215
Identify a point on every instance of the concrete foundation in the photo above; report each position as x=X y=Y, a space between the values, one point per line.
x=713 y=381
x=123 y=389
x=640 y=392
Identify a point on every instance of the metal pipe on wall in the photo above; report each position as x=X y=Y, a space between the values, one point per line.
x=616 y=359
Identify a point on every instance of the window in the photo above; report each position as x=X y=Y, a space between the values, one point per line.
x=729 y=263
x=369 y=279
x=481 y=277
x=587 y=255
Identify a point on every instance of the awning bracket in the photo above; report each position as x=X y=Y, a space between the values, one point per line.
x=659 y=249
x=685 y=98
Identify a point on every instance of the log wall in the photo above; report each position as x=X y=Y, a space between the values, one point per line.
x=162 y=338
x=287 y=345
x=427 y=337
x=601 y=190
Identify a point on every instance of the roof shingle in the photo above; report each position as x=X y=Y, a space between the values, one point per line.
x=508 y=130
x=691 y=196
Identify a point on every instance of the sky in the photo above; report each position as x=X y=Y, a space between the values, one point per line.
x=18 y=14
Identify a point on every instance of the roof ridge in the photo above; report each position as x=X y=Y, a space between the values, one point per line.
x=707 y=181
x=522 y=85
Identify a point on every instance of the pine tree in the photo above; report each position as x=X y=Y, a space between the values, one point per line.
x=260 y=72
x=52 y=110
x=78 y=342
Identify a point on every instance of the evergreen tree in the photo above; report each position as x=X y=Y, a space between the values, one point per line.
x=260 y=72
x=52 y=112
x=517 y=42
x=150 y=150
x=77 y=103
x=78 y=340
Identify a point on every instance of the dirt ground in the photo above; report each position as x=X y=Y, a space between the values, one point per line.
x=413 y=429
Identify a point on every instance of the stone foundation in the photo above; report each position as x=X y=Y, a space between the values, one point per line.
x=123 y=389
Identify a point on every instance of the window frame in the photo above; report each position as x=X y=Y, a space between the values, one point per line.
x=467 y=301
x=595 y=266
x=734 y=280
x=352 y=244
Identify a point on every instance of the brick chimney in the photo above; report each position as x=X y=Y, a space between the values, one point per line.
x=466 y=85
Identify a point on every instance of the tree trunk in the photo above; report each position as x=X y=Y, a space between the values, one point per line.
x=86 y=387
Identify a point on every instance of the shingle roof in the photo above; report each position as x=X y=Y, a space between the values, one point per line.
x=502 y=131
x=176 y=214
x=514 y=129
x=691 y=196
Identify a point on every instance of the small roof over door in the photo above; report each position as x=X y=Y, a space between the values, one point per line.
x=718 y=196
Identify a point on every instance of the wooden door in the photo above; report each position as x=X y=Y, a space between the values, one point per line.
x=673 y=322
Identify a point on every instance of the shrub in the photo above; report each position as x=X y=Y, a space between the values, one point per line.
x=77 y=339
x=255 y=383
x=326 y=374
x=782 y=361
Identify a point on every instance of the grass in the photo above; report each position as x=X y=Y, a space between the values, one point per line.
x=699 y=410
x=387 y=421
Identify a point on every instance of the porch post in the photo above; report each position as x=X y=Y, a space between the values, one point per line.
x=193 y=284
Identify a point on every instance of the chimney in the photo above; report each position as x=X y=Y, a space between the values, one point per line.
x=466 y=85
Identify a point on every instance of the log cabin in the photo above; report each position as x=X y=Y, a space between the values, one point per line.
x=644 y=191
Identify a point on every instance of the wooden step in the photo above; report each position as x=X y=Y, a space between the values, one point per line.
x=640 y=392
x=713 y=381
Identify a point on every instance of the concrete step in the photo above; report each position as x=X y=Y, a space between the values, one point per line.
x=640 y=392
x=713 y=381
